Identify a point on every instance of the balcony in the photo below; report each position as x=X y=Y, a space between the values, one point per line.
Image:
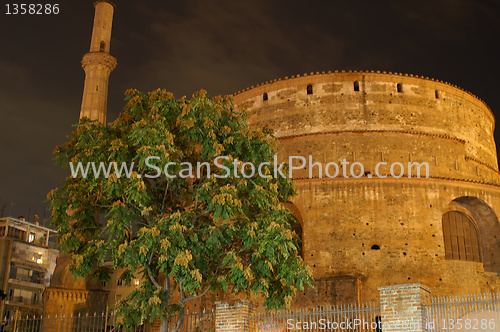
x=27 y=232
x=27 y=280
x=23 y=301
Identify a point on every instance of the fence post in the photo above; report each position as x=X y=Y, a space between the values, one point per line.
x=402 y=307
x=233 y=317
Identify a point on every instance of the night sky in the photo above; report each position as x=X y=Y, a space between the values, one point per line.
x=222 y=47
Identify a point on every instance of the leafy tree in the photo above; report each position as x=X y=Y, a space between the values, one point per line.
x=185 y=232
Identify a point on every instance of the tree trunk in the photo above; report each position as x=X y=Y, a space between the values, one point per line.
x=176 y=326
x=164 y=325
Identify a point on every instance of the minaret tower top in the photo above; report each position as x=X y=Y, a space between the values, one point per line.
x=98 y=64
x=103 y=20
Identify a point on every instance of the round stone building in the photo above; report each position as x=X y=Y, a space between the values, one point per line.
x=375 y=229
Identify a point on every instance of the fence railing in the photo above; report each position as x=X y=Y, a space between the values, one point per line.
x=478 y=313
x=197 y=322
x=352 y=317
x=193 y=322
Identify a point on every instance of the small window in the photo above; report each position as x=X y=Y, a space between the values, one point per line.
x=400 y=87
x=102 y=46
x=375 y=247
x=436 y=93
x=118 y=297
x=356 y=86
x=309 y=89
x=119 y=282
x=264 y=96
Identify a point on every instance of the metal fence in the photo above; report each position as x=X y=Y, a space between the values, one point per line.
x=198 y=322
x=193 y=322
x=351 y=317
x=478 y=313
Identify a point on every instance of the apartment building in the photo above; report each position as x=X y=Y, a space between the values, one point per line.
x=27 y=262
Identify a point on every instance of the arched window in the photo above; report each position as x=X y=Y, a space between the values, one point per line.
x=436 y=94
x=296 y=224
x=264 y=96
x=309 y=89
x=461 y=241
x=102 y=46
x=356 y=86
x=400 y=87
x=297 y=228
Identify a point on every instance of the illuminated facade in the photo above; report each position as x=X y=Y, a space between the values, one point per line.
x=27 y=263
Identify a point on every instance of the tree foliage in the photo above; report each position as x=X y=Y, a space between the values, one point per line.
x=183 y=235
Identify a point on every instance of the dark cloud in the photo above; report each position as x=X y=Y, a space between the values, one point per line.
x=222 y=46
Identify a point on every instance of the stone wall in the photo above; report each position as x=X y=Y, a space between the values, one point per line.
x=402 y=307
x=234 y=316
x=386 y=231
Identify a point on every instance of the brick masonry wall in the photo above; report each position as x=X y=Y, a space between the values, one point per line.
x=233 y=317
x=402 y=307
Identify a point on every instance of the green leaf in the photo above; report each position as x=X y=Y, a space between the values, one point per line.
x=229 y=233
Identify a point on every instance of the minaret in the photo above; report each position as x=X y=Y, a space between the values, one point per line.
x=98 y=64
x=66 y=296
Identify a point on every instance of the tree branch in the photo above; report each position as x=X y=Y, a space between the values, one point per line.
x=152 y=278
x=166 y=285
x=180 y=320
x=164 y=198
x=150 y=273
x=204 y=212
x=184 y=300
